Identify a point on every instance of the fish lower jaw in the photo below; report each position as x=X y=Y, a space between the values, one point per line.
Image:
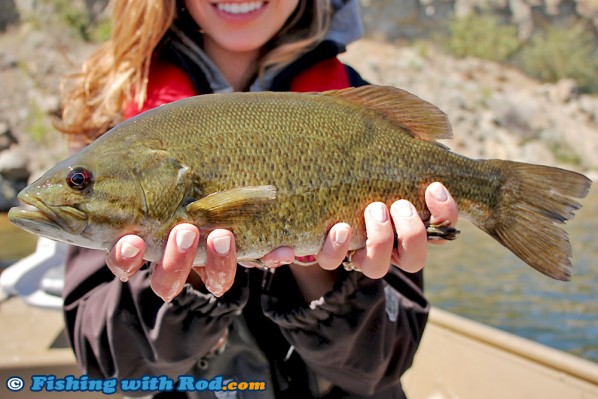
x=53 y=222
x=37 y=223
x=31 y=219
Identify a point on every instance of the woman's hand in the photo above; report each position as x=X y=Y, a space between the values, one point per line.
x=381 y=226
x=170 y=275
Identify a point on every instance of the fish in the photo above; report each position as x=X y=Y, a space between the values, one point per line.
x=280 y=169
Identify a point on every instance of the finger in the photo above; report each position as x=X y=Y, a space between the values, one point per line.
x=278 y=257
x=201 y=272
x=221 y=266
x=412 y=248
x=374 y=260
x=441 y=204
x=170 y=275
x=126 y=257
x=335 y=247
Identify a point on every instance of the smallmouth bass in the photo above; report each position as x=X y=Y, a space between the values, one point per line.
x=279 y=169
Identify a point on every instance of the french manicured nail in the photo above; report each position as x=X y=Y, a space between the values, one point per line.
x=222 y=245
x=439 y=192
x=378 y=212
x=122 y=275
x=118 y=271
x=184 y=239
x=128 y=251
x=173 y=291
x=403 y=208
x=341 y=235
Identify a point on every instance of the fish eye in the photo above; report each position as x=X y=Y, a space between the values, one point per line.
x=78 y=178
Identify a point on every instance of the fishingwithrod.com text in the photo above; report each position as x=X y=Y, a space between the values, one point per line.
x=183 y=383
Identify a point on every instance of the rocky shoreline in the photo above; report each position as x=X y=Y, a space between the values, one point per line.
x=496 y=111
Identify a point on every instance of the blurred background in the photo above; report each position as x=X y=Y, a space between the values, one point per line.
x=518 y=80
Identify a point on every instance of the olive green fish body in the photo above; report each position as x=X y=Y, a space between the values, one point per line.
x=279 y=169
x=326 y=161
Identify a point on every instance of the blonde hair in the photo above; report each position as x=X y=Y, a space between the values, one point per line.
x=117 y=72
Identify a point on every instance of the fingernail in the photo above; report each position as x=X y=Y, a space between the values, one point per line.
x=272 y=264
x=121 y=274
x=403 y=208
x=439 y=192
x=378 y=212
x=184 y=239
x=128 y=251
x=341 y=235
x=172 y=292
x=222 y=245
x=118 y=271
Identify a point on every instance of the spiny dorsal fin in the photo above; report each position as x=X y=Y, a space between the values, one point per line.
x=225 y=208
x=421 y=119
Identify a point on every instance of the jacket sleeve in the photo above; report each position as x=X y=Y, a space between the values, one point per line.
x=361 y=336
x=124 y=330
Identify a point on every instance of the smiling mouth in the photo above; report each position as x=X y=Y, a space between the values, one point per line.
x=240 y=8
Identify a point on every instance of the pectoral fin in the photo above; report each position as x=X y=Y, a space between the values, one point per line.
x=225 y=208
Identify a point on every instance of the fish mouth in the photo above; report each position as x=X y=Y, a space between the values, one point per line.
x=37 y=217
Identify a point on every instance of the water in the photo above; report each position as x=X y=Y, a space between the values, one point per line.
x=14 y=243
x=479 y=279
x=476 y=277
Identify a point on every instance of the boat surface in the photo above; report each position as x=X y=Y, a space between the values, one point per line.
x=458 y=359
x=463 y=359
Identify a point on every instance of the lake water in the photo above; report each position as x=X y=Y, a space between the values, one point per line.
x=476 y=277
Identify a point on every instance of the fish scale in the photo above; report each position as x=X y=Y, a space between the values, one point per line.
x=279 y=169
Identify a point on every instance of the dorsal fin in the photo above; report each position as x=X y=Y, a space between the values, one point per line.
x=419 y=118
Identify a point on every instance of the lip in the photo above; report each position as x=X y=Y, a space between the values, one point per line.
x=243 y=17
x=31 y=219
x=35 y=215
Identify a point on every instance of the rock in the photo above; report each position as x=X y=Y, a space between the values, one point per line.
x=14 y=175
x=6 y=137
x=8 y=194
x=589 y=105
x=537 y=152
x=13 y=164
x=9 y=14
x=513 y=111
x=48 y=103
x=413 y=19
x=563 y=91
x=7 y=61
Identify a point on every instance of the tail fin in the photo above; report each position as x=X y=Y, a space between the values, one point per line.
x=534 y=199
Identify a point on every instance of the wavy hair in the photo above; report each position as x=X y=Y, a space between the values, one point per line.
x=117 y=73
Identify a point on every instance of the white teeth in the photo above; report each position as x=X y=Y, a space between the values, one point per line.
x=240 y=8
